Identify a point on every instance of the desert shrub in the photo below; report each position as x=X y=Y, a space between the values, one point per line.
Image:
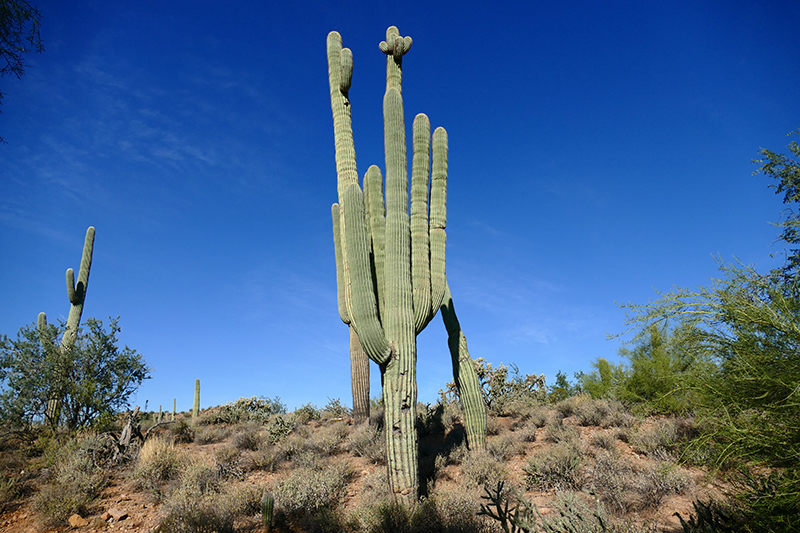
x=661 y=440
x=568 y=406
x=326 y=440
x=192 y=513
x=182 y=432
x=267 y=457
x=605 y=440
x=659 y=480
x=505 y=447
x=562 y=388
x=480 y=468
x=458 y=454
x=78 y=478
x=307 y=490
x=556 y=431
x=247 y=437
x=429 y=419
x=256 y=409
x=624 y=488
x=306 y=414
x=591 y=412
x=228 y=462
x=438 y=514
x=158 y=462
x=515 y=513
x=211 y=434
x=335 y=409
x=493 y=426
x=200 y=477
x=555 y=467
x=526 y=433
x=366 y=441
x=503 y=389
x=278 y=428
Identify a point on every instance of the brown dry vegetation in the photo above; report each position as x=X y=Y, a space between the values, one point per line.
x=327 y=474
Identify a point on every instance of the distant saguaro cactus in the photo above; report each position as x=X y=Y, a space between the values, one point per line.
x=390 y=259
x=196 y=406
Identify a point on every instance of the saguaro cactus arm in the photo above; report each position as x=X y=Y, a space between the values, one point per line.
x=465 y=376
x=76 y=292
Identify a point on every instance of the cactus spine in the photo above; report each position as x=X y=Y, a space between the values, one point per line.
x=196 y=406
x=390 y=260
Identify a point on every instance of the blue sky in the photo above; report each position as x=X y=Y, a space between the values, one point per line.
x=598 y=150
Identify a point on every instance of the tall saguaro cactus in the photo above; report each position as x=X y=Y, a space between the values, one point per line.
x=77 y=296
x=77 y=291
x=196 y=405
x=390 y=259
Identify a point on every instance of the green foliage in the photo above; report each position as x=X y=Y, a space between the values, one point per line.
x=562 y=388
x=664 y=367
x=786 y=171
x=558 y=467
x=603 y=380
x=93 y=378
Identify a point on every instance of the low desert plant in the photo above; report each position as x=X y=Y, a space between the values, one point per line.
x=211 y=434
x=366 y=441
x=506 y=446
x=247 y=437
x=158 y=462
x=557 y=431
x=481 y=468
x=556 y=467
x=307 y=490
x=78 y=478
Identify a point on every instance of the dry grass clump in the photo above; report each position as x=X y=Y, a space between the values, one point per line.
x=506 y=446
x=247 y=437
x=309 y=490
x=557 y=431
x=481 y=468
x=78 y=478
x=366 y=441
x=158 y=462
x=606 y=440
x=661 y=440
x=626 y=488
x=440 y=513
x=211 y=434
x=557 y=467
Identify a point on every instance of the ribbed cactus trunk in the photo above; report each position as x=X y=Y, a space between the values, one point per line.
x=390 y=262
x=76 y=292
x=196 y=405
x=359 y=376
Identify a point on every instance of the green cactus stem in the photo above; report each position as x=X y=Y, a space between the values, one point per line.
x=465 y=377
x=174 y=404
x=267 y=508
x=196 y=405
x=359 y=361
x=76 y=292
x=390 y=259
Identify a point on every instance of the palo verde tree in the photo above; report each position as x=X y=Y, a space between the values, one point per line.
x=19 y=35
x=94 y=377
x=391 y=257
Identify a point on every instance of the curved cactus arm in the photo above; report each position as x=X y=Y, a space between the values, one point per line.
x=373 y=192
x=364 y=315
x=76 y=292
x=465 y=376
x=340 y=73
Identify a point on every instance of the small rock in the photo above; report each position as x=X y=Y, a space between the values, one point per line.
x=77 y=520
x=117 y=514
x=105 y=516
